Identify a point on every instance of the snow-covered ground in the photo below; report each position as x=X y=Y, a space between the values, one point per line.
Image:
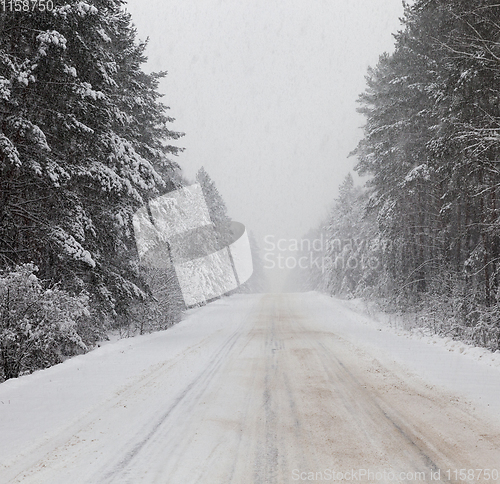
x=38 y=407
x=252 y=389
x=398 y=324
x=468 y=370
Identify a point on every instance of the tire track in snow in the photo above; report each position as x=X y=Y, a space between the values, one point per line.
x=419 y=449
x=188 y=398
x=417 y=459
x=279 y=391
x=41 y=456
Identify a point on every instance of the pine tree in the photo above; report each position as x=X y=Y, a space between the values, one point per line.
x=216 y=207
x=431 y=143
x=352 y=248
x=83 y=144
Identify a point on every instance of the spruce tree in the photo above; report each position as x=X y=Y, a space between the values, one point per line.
x=84 y=142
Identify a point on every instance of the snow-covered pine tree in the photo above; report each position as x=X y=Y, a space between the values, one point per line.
x=432 y=146
x=216 y=207
x=84 y=141
x=344 y=250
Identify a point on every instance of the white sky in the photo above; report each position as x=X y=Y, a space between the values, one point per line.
x=265 y=91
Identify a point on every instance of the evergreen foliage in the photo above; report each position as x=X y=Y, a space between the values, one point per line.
x=352 y=247
x=216 y=208
x=83 y=144
x=431 y=145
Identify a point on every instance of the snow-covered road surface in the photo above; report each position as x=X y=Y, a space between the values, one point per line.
x=251 y=389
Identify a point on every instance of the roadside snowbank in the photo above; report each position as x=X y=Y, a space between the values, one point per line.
x=473 y=373
x=396 y=324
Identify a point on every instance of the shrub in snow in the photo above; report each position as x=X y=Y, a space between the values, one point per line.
x=453 y=308
x=38 y=326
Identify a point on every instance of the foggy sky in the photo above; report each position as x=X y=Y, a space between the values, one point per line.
x=265 y=91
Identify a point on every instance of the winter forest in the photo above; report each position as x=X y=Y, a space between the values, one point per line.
x=85 y=141
x=422 y=236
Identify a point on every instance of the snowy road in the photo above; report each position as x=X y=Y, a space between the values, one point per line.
x=260 y=389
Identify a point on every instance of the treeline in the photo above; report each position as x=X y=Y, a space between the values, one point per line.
x=85 y=141
x=429 y=216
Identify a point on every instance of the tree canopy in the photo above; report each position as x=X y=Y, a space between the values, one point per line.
x=431 y=147
x=84 y=142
